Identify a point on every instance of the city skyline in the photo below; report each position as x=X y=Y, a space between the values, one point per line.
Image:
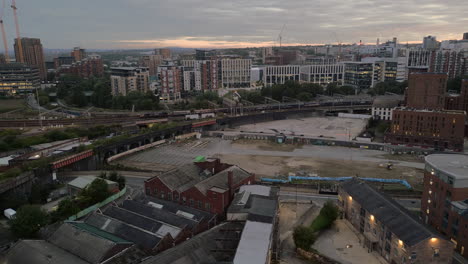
x=211 y=24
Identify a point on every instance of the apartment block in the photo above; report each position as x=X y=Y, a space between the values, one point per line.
x=388 y=229
x=426 y=90
x=280 y=74
x=444 y=203
x=322 y=73
x=19 y=78
x=33 y=54
x=235 y=73
x=127 y=79
x=171 y=82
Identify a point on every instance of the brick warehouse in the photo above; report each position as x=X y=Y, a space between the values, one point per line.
x=208 y=185
x=444 y=203
x=432 y=129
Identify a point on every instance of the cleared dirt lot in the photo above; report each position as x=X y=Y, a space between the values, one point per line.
x=269 y=166
x=267 y=159
x=333 y=127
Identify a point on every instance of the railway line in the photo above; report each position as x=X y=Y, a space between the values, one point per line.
x=182 y=115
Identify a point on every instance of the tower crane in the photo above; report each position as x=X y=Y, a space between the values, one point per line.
x=20 y=46
x=2 y=27
x=280 y=36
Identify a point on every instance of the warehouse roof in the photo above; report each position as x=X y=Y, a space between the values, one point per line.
x=83 y=181
x=39 y=252
x=254 y=244
x=159 y=214
x=145 y=223
x=128 y=232
x=182 y=178
x=391 y=214
x=180 y=210
x=88 y=246
x=213 y=246
x=220 y=179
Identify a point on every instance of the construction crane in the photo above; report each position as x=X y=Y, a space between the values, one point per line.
x=20 y=46
x=2 y=26
x=280 y=36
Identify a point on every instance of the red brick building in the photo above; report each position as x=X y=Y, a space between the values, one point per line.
x=432 y=129
x=208 y=185
x=426 y=90
x=88 y=67
x=444 y=203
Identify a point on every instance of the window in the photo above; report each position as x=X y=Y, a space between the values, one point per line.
x=184 y=200
x=436 y=252
x=413 y=255
x=176 y=197
x=388 y=235
x=387 y=247
x=155 y=192
x=207 y=206
x=200 y=204
x=191 y=202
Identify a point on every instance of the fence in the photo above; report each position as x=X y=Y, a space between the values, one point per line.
x=291 y=178
x=98 y=205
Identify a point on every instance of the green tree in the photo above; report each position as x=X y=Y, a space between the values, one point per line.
x=95 y=192
x=330 y=211
x=29 y=219
x=303 y=237
x=121 y=181
x=66 y=208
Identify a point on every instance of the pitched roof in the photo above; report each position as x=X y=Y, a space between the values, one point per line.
x=159 y=214
x=183 y=211
x=254 y=245
x=391 y=214
x=202 y=247
x=183 y=178
x=89 y=247
x=128 y=232
x=83 y=181
x=220 y=179
x=39 y=252
x=142 y=222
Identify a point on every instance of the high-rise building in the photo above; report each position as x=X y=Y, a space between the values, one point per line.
x=444 y=203
x=152 y=62
x=430 y=42
x=78 y=53
x=465 y=36
x=87 y=67
x=358 y=75
x=165 y=53
x=426 y=91
x=171 y=82
x=128 y=79
x=19 y=78
x=204 y=54
x=451 y=62
x=33 y=54
x=235 y=73
x=62 y=60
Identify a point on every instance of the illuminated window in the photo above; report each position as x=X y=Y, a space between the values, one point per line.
x=427 y=211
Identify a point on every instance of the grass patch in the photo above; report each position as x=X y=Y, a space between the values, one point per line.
x=7 y=105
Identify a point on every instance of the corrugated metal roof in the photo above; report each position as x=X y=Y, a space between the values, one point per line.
x=254 y=244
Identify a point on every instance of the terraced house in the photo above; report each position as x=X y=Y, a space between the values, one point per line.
x=388 y=229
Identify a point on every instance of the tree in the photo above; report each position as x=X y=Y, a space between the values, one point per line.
x=121 y=181
x=330 y=211
x=95 y=192
x=29 y=219
x=303 y=237
x=113 y=176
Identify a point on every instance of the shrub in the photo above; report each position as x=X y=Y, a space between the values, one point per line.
x=304 y=237
x=29 y=219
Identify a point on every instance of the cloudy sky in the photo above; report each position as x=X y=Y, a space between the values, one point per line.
x=233 y=23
